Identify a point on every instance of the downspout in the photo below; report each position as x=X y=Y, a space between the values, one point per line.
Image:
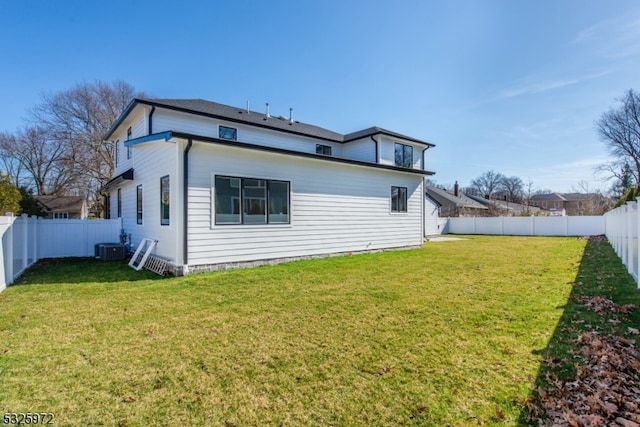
x=150 y=124
x=424 y=195
x=185 y=198
x=377 y=151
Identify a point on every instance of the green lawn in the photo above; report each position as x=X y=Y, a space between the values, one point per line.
x=450 y=334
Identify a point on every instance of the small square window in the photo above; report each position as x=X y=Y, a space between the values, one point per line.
x=225 y=132
x=323 y=149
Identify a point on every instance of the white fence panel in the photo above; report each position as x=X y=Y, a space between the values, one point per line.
x=623 y=230
x=26 y=240
x=74 y=237
x=529 y=226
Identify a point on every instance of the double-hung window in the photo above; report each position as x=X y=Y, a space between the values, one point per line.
x=404 y=155
x=251 y=201
x=398 y=199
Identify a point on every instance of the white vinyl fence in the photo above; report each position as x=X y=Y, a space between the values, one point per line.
x=529 y=226
x=623 y=228
x=25 y=240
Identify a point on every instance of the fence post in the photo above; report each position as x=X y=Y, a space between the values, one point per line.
x=25 y=240
x=9 y=253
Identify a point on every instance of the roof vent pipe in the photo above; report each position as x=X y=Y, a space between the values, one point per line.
x=248 y=111
x=268 y=115
x=291 y=115
x=456 y=189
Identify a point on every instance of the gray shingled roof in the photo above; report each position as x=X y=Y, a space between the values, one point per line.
x=236 y=114
x=446 y=197
x=241 y=115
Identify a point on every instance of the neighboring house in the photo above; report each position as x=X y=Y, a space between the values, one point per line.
x=220 y=186
x=63 y=207
x=505 y=208
x=455 y=204
x=572 y=203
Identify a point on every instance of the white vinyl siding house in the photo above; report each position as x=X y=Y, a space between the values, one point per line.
x=337 y=203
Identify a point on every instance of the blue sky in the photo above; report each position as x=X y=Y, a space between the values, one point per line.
x=510 y=86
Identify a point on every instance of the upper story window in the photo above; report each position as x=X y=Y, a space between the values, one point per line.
x=128 y=138
x=323 y=149
x=61 y=215
x=404 y=156
x=116 y=154
x=225 y=132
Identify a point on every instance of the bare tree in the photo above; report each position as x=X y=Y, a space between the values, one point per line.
x=488 y=183
x=41 y=161
x=513 y=187
x=619 y=128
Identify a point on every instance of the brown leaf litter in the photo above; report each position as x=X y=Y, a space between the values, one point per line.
x=606 y=388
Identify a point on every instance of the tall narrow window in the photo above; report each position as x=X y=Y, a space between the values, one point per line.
x=404 y=156
x=128 y=147
x=107 y=206
x=254 y=201
x=139 y=204
x=398 y=199
x=278 y=202
x=227 y=200
x=116 y=152
x=164 y=200
x=119 y=202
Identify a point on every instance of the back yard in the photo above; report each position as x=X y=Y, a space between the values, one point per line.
x=456 y=333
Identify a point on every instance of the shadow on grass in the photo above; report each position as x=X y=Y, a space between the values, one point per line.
x=601 y=273
x=82 y=270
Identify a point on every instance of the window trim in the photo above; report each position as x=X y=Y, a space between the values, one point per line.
x=404 y=155
x=129 y=147
x=139 y=205
x=397 y=209
x=168 y=204
x=228 y=128
x=322 y=149
x=119 y=203
x=241 y=201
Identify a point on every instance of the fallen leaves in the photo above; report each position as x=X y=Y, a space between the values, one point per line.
x=601 y=304
x=606 y=386
x=604 y=391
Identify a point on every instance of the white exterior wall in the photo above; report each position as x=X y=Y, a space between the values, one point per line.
x=361 y=149
x=388 y=155
x=431 y=223
x=138 y=129
x=153 y=160
x=334 y=208
x=164 y=120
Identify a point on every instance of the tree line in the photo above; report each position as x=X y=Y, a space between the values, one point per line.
x=60 y=149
